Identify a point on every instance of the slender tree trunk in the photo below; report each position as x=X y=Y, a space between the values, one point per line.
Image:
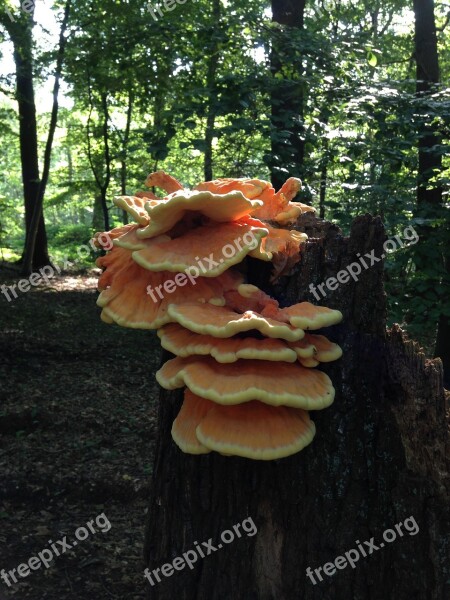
x=102 y=180
x=20 y=33
x=323 y=188
x=429 y=194
x=32 y=232
x=287 y=97
x=427 y=74
x=98 y=221
x=379 y=457
x=213 y=63
x=124 y=157
x=104 y=187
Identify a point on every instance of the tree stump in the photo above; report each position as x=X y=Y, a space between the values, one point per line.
x=380 y=455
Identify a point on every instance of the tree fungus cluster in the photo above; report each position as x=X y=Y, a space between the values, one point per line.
x=246 y=365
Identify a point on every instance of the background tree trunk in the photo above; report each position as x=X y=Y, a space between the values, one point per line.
x=21 y=36
x=102 y=175
x=378 y=458
x=287 y=97
x=32 y=230
x=211 y=85
x=125 y=139
x=429 y=194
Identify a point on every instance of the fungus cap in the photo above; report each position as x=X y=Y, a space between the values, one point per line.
x=255 y=430
x=304 y=348
x=308 y=362
x=182 y=342
x=146 y=194
x=221 y=322
x=135 y=207
x=129 y=239
x=164 y=214
x=164 y=181
x=248 y=297
x=309 y=316
x=134 y=297
x=111 y=235
x=278 y=206
x=202 y=248
x=325 y=350
x=193 y=410
x=251 y=188
x=287 y=384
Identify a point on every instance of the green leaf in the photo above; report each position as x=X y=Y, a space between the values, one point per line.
x=372 y=59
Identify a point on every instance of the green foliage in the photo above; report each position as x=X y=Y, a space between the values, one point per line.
x=70 y=235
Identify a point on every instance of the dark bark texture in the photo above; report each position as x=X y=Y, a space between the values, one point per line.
x=380 y=456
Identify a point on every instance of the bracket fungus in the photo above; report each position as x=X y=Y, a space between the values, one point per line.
x=246 y=364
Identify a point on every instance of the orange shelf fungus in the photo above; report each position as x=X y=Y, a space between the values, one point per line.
x=252 y=430
x=255 y=430
x=247 y=365
x=193 y=410
x=184 y=252
x=247 y=380
x=182 y=342
x=164 y=214
x=164 y=181
x=221 y=322
x=135 y=207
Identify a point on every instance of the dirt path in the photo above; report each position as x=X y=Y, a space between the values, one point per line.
x=77 y=414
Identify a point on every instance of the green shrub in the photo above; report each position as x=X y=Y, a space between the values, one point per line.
x=68 y=235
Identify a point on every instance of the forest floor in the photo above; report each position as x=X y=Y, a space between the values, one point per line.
x=77 y=426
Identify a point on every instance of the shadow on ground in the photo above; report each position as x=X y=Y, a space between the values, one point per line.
x=77 y=423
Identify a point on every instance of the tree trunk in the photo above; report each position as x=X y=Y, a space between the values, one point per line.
x=102 y=179
x=379 y=457
x=323 y=188
x=32 y=231
x=287 y=98
x=429 y=194
x=21 y=36
x=213 y=63
x=98 y=222
x=104 y=187
x=427 y=75
x=124 y=153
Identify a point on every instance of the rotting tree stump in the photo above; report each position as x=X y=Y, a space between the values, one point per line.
x=380 y=455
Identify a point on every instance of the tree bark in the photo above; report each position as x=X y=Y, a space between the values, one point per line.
x=380 y=456
x=287 y=97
